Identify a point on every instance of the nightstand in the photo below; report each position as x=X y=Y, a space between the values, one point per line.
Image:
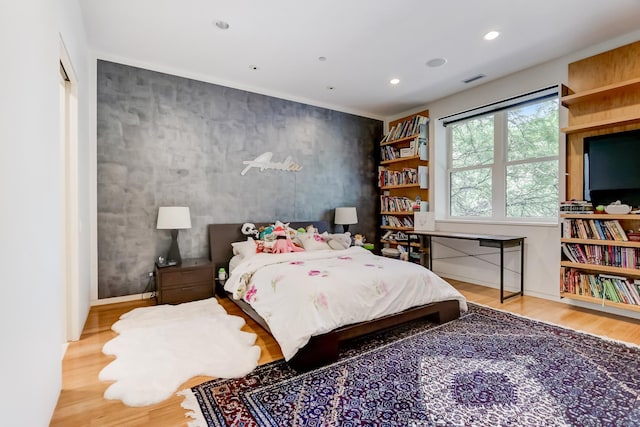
x=192 y=280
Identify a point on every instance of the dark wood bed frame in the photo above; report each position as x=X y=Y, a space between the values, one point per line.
x=321 y=349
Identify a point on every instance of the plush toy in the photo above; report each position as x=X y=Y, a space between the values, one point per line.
x=249 y=229
x=283 y=243
x=337 y=241
x=358 y=240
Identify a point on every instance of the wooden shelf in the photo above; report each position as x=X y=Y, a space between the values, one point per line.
x=602 y=124
x=391 y=187
x=396 y=213
x=602 y=268
x=600 y=301
x=399 y=242
x=390 y=227
x=622 y=243
x=400 y=159
x=402 y=196
x=605 y=99
x=593 y=94
x=600 y=216
x=396 y=141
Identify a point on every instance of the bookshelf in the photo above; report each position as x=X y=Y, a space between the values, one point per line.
x=602 y=96
x=599 y=263
x=403 y=177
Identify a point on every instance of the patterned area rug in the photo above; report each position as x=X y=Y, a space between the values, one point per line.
x=488 y=368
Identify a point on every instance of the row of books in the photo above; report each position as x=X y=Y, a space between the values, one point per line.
x=396 y=204
x=389 y=152
x=613 y=256
x=603 y=286
x=394 y=236
x=387 y=177
x=413 y=126
x=394 y=221
x=593 y=229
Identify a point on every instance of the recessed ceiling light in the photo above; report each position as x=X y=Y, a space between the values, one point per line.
x=253 y=67
x=322 y=58
x=331 y=87
x=491 y=35
x=394 y=81
x=436 y=62
x=223 y=25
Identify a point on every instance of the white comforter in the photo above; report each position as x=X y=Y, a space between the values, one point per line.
x=310 y=293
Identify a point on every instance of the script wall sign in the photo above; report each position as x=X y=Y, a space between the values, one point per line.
x=263 y=161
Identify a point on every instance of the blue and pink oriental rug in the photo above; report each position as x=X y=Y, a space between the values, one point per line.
x=488 y=368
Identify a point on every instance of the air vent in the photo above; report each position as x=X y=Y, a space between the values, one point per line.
x=474 y=78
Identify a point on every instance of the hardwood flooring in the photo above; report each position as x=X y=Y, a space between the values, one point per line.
x=81 y=402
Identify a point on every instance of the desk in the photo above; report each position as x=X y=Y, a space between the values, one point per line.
x=489 y=240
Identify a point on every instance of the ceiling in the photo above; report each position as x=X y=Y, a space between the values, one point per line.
x=274 y=47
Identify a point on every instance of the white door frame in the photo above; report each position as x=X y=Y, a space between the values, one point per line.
x=70 y=219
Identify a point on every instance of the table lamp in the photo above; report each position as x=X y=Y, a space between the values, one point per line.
x=173 y=218
x=345 y=217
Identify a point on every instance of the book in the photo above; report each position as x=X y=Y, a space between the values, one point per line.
x=423 y=176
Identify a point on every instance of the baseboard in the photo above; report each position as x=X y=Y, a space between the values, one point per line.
x=124 y=298
x=507 y=288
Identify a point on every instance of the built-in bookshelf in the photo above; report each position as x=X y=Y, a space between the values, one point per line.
x=601 y=259
x=403 y=177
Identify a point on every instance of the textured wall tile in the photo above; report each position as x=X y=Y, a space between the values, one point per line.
x=165 y=140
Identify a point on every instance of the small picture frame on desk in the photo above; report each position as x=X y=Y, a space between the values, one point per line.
x=424 y=221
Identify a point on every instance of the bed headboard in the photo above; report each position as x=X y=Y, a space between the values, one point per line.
x=222 y=235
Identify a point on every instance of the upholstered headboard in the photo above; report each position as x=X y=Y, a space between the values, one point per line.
x=222 y=235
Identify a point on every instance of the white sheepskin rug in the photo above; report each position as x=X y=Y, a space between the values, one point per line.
x=161 y=347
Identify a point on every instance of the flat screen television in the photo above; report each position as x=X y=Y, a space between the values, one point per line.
x=612 y=168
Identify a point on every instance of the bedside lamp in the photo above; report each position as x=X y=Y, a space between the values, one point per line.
x=346 y=217
x=173 y=218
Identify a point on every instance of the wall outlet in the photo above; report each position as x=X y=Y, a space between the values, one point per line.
x=151 y=274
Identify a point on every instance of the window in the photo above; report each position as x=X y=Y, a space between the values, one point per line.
x=503 y=164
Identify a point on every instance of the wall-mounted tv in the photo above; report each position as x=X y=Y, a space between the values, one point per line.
x=612 y=168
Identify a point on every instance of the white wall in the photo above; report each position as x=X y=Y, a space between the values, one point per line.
x=31 y=327
x=542 y=252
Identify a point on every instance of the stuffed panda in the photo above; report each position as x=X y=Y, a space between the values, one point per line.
x=249 y=229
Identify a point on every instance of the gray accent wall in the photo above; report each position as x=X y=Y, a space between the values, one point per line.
x=164 y=140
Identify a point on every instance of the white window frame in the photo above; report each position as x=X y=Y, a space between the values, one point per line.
x=499 y=166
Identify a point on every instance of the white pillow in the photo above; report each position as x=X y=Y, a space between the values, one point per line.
x=313 y=242
x=245 y=249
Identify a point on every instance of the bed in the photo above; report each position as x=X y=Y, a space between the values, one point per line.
x=321 y=346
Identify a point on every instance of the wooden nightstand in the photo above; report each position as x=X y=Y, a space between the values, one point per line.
x=193 y=280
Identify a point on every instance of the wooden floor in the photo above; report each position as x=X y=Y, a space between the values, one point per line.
x=81 y=402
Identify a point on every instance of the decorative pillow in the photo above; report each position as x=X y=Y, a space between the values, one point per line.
x=313 y=242
x=337 y=241
x=245 y=249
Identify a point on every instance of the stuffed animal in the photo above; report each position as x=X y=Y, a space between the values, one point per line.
x=249 y=229
x=337 y=241
x=283 y=243
x=358 y=240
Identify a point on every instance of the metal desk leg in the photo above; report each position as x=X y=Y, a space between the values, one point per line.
x=502 y=296
x=522 y=267
x=501 y=273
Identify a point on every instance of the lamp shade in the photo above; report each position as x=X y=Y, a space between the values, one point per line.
x=346 y=216
x=173 y=218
